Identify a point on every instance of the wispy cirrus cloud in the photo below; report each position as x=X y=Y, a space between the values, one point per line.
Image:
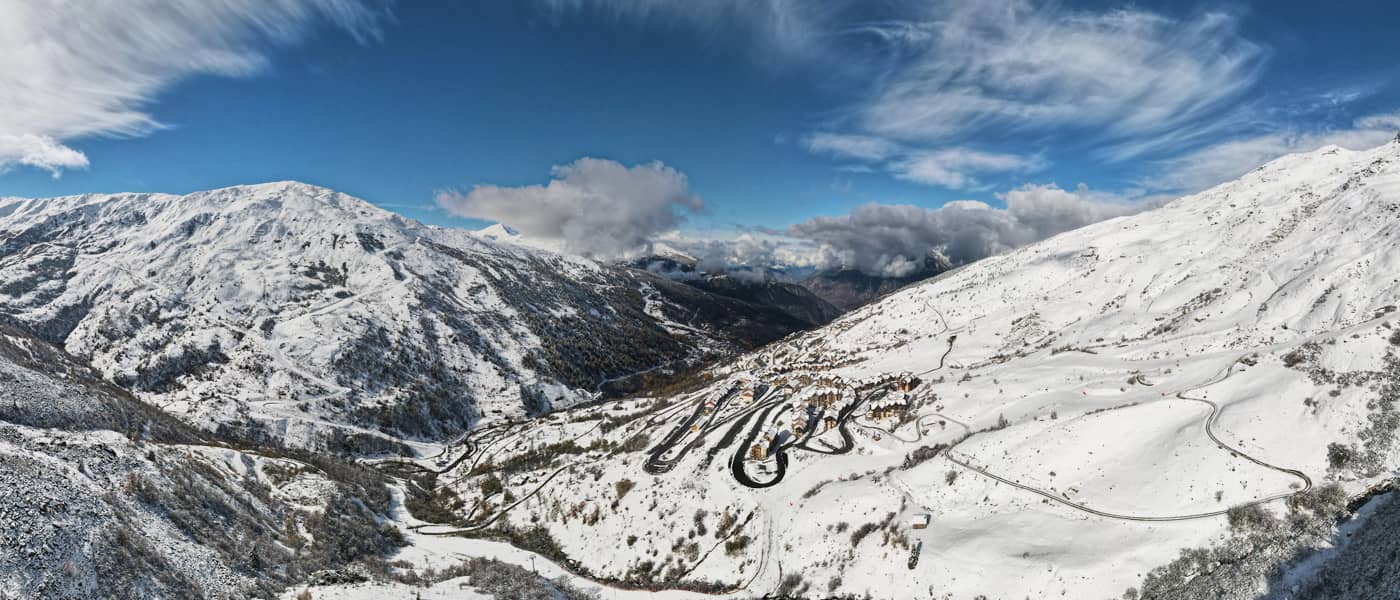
x=866 y=148
x=942 y=73
x=1124 y=73
x=949 y=167
x=957 y=168
x=949 y=83
x=1232 y=157
x=82 y=68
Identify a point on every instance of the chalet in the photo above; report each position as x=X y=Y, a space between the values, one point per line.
x=709 y=406
x=747 y=394
x=758 y=451
x=829 y=422
x=920 y=521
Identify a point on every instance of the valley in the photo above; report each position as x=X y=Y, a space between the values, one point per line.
x=1064 y=418
x=715 y=300
x=1027 y=444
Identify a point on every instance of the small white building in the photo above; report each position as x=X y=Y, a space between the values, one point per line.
x=920 y=521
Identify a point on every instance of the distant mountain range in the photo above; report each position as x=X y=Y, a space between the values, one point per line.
x=762 y=288
x=851 y=289
x=838 y=290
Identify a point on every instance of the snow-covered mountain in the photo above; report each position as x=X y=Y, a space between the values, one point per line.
x=851 y=289
x=762 y=288
x=1221 y=374
x=303 y=314
x=102 y=496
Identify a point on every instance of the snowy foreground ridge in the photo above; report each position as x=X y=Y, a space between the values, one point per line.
x=1219 y=374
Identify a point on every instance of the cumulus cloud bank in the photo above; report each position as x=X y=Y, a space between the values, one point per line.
x=595 y=207
x=606 y=210
x=893 y=240
x=81 y=68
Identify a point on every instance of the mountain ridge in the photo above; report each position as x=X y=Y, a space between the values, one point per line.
x=1221 y=375
x=279 y=305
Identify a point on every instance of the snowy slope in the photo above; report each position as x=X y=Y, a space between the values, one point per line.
x=313 y=317
x=1084 y=408
x=102 y=496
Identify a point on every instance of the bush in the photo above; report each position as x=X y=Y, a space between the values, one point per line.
x=1328 y=501
x=1249 y=518
x=491 y=486
x=921 y=455
x=726 y=521
x=636 y=443
x=1339 y=456
x=792 y=586
x=1002 y=423
x=736 y=545
x=505 y=580
x=623 y=486
x=862 y=531
x=345 y=532
x=540 y=458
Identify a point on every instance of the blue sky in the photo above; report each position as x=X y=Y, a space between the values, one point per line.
x=772 y=112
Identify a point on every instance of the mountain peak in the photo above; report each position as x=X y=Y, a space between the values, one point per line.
x=498 y=232
x=288 y=194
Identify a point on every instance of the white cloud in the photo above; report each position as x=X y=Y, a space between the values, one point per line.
x=81 y=68
x=956 y=167
x=595 y=207
x=1228 y=160
x=886 y=240
x=791 y=30
x=853 y=147
x=951 y=167
x=39 y=151
x=893 y=240
x=1389 y=121
x=1124 y=72
x=942 y=74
